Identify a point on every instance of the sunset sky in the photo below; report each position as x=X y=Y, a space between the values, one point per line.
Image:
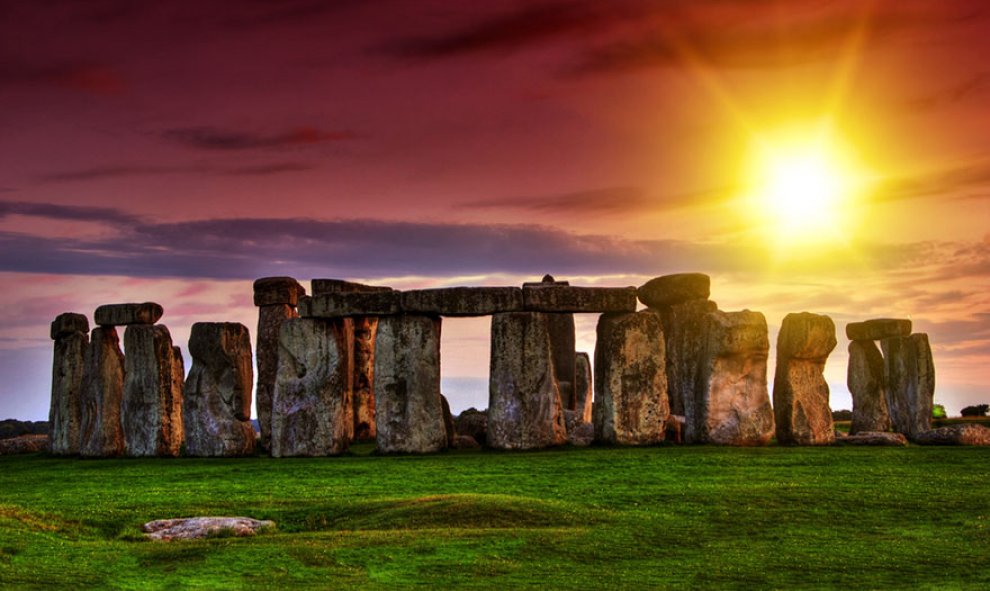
x=175 y=151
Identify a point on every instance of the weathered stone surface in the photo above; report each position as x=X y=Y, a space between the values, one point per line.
x=524 y=409
x=547 y=280
x=448 y=421
x=322 y=286
x=561 y=327
x=878 y=438
x=190 y=528
x=270 y=320
x=67 y=324
x=216 y=403
x=462 y=301
x=734 y=407
x=24 y=444
x=339 y=304
x=965 y=434
x=124 y=314
x=583 y=386
x=864 y=378
x=65 y=412
x=674 y=428
x=363 y=378
x=674 y=289
x=800 y=392
x=274 y=291
x=582 y=435
x=630 y=379
x=102 y=392
x=409 y=410
x=465 y=442
x=877 y=329
x=562 y=299
x=474 y=423
x=151 y=410
x=686 y=340
x=909 y=376
x=312 y=412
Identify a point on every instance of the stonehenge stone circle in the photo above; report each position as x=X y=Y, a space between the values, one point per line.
x=630 y=379
x=734 y=406
x=102 y=393
x=126 y=314
x=524 y=408
x=216 y=404
x=864 y=377
x=311 y=410
x=669 y=290
x=408 y=405
x=800 y=392
x=909 y=376
x=583 y=383
x=151 y=409
x=276 y=298
x=878 y=328
x=71 y=335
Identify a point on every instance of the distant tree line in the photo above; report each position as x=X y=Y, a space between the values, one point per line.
x=14 y=428
x=978 y=410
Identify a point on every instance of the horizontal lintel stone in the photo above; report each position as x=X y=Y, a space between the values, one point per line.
x=124 y=314
x=323 y=286
x=69 y=323
x=463 y=301
x=878 y=328
x=566 y=299
x=273 y=291
x=337 y=305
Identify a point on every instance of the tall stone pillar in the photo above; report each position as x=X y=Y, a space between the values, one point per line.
x=524 y=408
x=151 y=411
x=630 y=379
x=681 y=302
x=102 y=393
x=800 y=392
x=276 y=298
x=71 y=335
x=864 y=377
x=562 y=345
x=311 y=413
x=734 y=407
x=910 y=378
x=409 y=409
x=583 y=383
x=216 y=406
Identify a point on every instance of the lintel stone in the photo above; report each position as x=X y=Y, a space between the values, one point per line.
x=338 y=305
x=323 y=286
x=559 y=298
x=878 y=328
x=272 y=291
x=124 y=314
x=67 y=324
x=463 y=301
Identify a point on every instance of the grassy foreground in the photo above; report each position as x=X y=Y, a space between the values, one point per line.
x=668 y=517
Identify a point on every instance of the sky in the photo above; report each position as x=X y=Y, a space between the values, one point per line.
x=176 y=151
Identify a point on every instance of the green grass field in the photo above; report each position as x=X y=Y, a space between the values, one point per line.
x=659 y=518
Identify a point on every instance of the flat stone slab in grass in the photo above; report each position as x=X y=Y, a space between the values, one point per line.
x=878 y=328
x=192 y=528
x=965 y=434
x=123 y=314
x=560 y=298
x=463 y=301
x=874 y=438
x=341 y=304
x=25 y=444
x=675 y=289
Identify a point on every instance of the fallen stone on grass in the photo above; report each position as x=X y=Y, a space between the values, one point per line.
x=873 y=438
x=192 y=528
x=966 y=434
x=473 y=423
x=464 y=442
x=25 y=444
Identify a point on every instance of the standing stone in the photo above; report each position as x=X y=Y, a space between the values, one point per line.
x=524 y=408
x=909 y=375
x=102 y=392
x=71 y=334
x=582 y=386
x=630 y=379
x=276 y=298
x=448 y=421
x=734 y=407
x=408 y=406
x=151 y=411
x=216 y=404
x=864 y=378
x=363 y=378
x=311 y=411
x=800 y=392
x=562 y=341
x=685 y=334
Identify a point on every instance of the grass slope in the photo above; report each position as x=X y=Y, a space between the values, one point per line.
x=669 y=517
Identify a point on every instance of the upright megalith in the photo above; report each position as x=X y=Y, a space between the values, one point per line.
x=102 y=393
x=681 y=302
x=734 y=404
x=864 y=378
x=630 y=379
x=71 y=335
x=151 y=411
x=408 y=406
x=311 y=410
x=909 y=376
x=216 y=404
x=800 y=392
x=524 y=408
x=276 y=298
x=562 y=342
x=583 y=383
